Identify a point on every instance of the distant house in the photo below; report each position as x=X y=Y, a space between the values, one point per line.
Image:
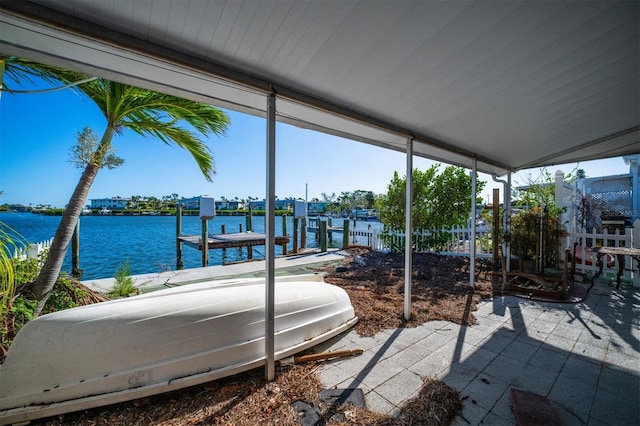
x=286 y=204
x=280 y=205
x=317 y=207
x=193 y=203
x=606 y=202
x=313 y=207
x=117 y=203
x=258 y=205
x=19 y=208
x=612 y=201
x=227 y=205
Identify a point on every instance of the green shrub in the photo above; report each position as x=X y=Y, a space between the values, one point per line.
x=26 y=271
x=10 y=241
x=526 y=233
x=124 y=282
x=66 y=294
x=23 y=309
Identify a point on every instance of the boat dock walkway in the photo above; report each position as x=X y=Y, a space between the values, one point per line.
x=314 y=226
x=238 y=239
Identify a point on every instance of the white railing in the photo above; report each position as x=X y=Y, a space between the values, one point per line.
x=586 y=260
x=33 y=250
x=457 y=241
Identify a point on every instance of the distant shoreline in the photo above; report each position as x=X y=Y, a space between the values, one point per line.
x=151 y=213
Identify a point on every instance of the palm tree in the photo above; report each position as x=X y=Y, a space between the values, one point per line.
x=125 y=107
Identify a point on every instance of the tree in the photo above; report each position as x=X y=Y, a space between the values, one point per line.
x=83 y=153
x=540 y=219
x=541 y=191
x=439 y=200
x=144 y=112
x=134 y=201
x=359 y=199
x=153 y=203
x=347 y=202
x=366 y=199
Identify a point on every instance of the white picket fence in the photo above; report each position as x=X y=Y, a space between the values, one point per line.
x=33 y=250
x=363 y=237
x=459 y=245
x=458 y=241
x=587 y=263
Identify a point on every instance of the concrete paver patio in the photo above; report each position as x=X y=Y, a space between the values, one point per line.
x=584 y=357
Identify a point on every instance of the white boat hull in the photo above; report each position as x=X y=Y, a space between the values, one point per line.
x=157 y=342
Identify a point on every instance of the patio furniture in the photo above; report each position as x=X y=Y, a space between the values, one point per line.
x=620 y=253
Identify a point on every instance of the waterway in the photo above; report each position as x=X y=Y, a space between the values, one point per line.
x=147 y=242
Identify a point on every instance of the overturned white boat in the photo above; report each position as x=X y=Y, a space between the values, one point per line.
x=131 y=348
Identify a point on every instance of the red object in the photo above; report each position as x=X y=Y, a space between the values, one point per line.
x=587 y=256
x=531 y=409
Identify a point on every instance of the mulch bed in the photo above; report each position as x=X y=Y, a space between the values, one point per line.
x=375 y=283
x=440 y=289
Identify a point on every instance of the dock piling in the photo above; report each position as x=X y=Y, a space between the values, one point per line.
x=284 y=225
x=322 y=229
x=345 y=234
x=303 y=234
x=296 y=221
x=223 y=230
x=249 y=219
x=179 y=260
x=76 y=272
x=204 y=242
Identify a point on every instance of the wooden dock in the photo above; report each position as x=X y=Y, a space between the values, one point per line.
x=239 y=239
x=330 y=229
x=314 y=226
x=224 y=240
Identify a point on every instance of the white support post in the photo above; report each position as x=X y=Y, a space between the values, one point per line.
x=270 y=240
x=507 y=222
x=634 y=170
x=408 y=246
x=472 y=242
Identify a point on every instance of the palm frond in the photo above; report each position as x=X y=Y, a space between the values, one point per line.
x=202 y=117
x=181 y=137
x=18 y=70
x=160 y=115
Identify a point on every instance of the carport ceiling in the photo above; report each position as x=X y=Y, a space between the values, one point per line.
x=513 y=84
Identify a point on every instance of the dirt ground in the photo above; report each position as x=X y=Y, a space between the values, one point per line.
x=375 y=283
x=440 y=289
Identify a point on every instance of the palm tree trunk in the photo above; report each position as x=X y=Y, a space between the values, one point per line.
x=53 y=264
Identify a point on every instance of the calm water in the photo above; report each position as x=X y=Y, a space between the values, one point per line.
x=148 y=242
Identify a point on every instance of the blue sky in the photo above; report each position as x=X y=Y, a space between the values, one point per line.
x=38 y=130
